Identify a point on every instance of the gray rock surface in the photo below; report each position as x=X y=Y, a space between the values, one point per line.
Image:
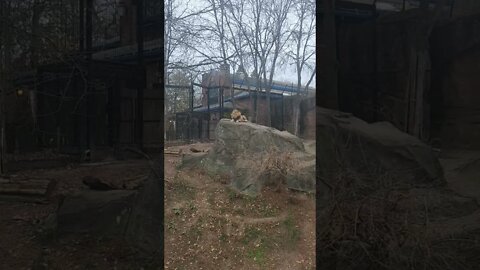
x=346 y=141
x=252 y=156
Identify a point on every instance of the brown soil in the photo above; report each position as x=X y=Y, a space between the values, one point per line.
x=208 y=226
x=25 y=246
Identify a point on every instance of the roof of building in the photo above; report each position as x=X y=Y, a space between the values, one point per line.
x=277 y=87
x=364 y=9
x=228 y=102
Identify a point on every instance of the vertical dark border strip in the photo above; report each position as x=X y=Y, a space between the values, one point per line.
x=161 y=181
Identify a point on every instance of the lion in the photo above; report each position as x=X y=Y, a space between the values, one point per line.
x=237 y=116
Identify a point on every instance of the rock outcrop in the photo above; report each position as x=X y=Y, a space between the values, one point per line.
x=345 y=141
x=252 y=155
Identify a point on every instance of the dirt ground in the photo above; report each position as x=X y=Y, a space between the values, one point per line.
x=25 y=246
x=462 y=171
x=208 y=226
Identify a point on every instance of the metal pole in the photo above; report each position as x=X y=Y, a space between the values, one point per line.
x=208 y=113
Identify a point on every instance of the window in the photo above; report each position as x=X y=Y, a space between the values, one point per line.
x=213 y=96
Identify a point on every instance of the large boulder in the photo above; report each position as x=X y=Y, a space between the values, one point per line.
x=253 y=155
x=134 y=215
x=96 y=212
x=379 y=148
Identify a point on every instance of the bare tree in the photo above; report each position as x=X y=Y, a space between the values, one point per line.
x=182 y=35
x=262 y=26
x=246 y=42
x=251 y=34
x=280 y=36
x=303 y=51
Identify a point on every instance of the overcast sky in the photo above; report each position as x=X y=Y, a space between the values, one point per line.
x=284 y=73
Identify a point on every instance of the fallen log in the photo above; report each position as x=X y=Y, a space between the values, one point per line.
x=175 y=153
x=39 y=187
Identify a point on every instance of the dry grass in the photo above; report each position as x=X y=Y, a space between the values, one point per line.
x=274 y=166
x=365 y=229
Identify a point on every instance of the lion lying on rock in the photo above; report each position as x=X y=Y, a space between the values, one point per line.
x=237 y=116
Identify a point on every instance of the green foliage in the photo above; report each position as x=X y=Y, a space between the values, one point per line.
x=177 y=211
x=258 y=254
x=251 y=234
x=292 y=232
x=261 y=244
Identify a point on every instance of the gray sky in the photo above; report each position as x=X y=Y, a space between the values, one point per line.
x=285 y=72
